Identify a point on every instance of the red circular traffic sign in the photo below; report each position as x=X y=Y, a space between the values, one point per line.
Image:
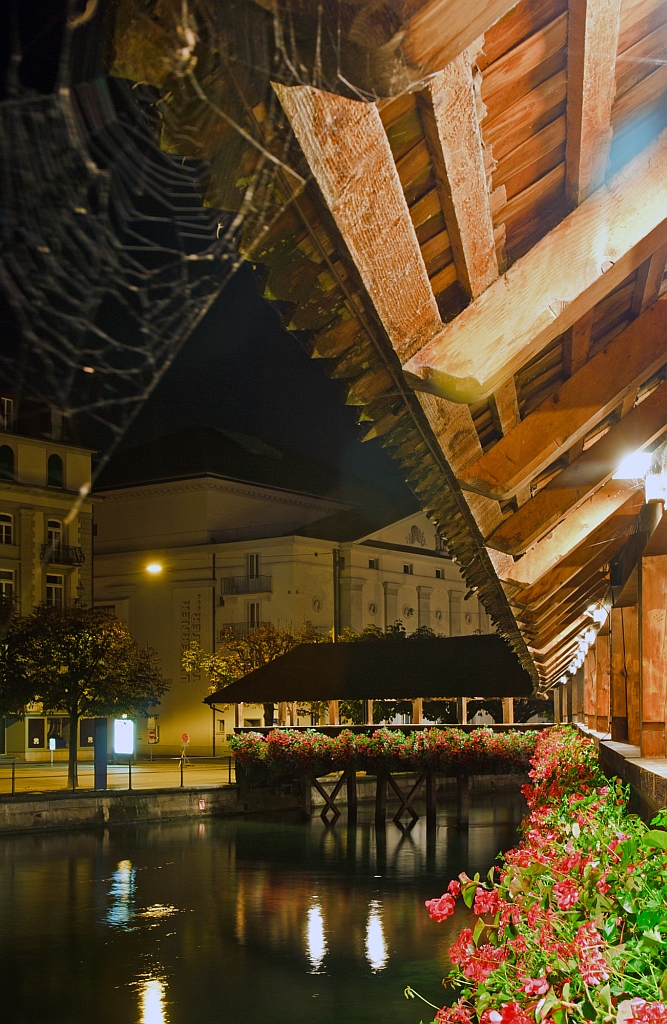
x=185 y=738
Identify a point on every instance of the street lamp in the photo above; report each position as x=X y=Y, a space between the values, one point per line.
x=154 y=568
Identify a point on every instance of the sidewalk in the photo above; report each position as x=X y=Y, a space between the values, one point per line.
x=38 y=777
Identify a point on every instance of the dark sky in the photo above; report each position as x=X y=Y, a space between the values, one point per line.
x=240 y=370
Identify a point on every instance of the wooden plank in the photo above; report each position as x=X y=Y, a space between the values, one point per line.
x=570 y=533
x=593 y=29
x=574 y=408
x=639 y=428
x=566 y=273
x=576 y=342
x=505 y=407
x=653 y=647
x=649 y=280
x=442 y=29
x=602 y=654
x=449 y=114
x=522 y=63
x=346 y=147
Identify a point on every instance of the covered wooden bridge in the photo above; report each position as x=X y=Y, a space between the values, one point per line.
x=468 y=221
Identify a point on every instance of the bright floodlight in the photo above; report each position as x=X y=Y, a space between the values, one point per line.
x=123 y=736
x=634 y=466
x=154 y=568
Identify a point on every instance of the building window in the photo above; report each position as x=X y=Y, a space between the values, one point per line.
x=54 y=539
x=6 y=584
x=55 y=588
x=55 y=471
x=254 y=616
x=6 y=462
x=6 y=528
x=407 y=568
x=373 y=563
x=253 y=566
x=7 y=414
x=439 y=574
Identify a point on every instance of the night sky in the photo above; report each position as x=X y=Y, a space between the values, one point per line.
x=240 y=370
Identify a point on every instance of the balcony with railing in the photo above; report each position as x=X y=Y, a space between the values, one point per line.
x=246 y=585
x=61 y=554
x=240 y=629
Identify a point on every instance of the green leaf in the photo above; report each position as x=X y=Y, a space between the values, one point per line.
x=479 y=928
x=649 y=918
x=550 y=1000
x=656 y=838
x=663 y=986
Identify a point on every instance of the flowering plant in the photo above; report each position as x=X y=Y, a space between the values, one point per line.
x=574 y=926
x=445 y=751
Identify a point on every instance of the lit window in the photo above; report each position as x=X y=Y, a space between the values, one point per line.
x=7 y=414
x=55 y=471
x=373 y=563
x=407 y=568
x=6 y=528
x=54 y=538
x=253 y=566
x=55 y=589
x=6 y=584
x=6 y=463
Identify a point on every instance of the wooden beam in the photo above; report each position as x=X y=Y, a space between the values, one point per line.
x=448 y=109
x=569 y=534
x=504 y=404
x=576 y=342
x=592 y=41
x=649 y=280
x=442 y=29
x=594 y=467
x=348 y=152
x=563 y=276
x=579 y=404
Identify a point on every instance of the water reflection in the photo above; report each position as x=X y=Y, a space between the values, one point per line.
x=316 y=943
x=121 y=910
x=287 y=922
x=376 y=945
x=152 y=1002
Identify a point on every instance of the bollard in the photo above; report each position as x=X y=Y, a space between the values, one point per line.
x=13 y=778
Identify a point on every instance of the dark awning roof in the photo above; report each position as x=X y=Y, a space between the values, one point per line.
x=459 y=666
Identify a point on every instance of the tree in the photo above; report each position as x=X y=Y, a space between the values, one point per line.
x=81 y=661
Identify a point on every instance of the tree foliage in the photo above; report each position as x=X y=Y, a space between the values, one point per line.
x=78 y=660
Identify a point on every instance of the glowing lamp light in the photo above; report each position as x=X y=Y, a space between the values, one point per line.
x=154 y=568
x=634 y=466
x=598 y=613
x=123 y=736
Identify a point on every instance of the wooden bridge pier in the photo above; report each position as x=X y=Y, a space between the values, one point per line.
x=384 y=781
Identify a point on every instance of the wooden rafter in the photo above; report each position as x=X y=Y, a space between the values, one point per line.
x=577 y=405
x=593 y=28
x=578 y=481
x=442 y=29
x=566 y=273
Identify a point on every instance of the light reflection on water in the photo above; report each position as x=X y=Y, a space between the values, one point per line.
x=251 y=921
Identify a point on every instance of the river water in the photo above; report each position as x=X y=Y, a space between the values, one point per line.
x=234 y=921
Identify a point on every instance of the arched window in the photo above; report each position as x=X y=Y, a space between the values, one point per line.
x=6 y=462
x=55 y=473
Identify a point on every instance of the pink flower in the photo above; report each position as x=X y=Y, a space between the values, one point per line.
x=566 y=894
x=442 y=908
x=486 y=901
x=510 y=1013
x=455 y=888
x=648 y=1013
x=536 y=986
x=459 y=1013
x=603 y=886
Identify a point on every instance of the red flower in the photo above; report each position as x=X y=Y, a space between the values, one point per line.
x=647 y=1013
x=536 y=986
x=455 y=888
x=566 y=894
x=459 y=1013
x=486 y=901
x=510 y=1013
x=442 y=908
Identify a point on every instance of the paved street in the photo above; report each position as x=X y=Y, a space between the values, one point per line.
x=159 y=774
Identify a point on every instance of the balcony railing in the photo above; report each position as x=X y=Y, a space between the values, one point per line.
x=246 y=585
x=61 y=554
x=241 y=628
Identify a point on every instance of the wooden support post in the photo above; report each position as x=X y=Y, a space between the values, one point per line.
x=508 y=710
x=381 y=799
x=462 y=710
x=238 y=716
x=463 y=801
x=625 y=674
x=602 y=691
x=293 y=715
x=575 y=685
x=351 y=795
x=590 y=689
x=282 y=713
x=431 y=800
x=417 y=715
x=334 y=714
x=556 y=693
x=653 y=648
x=367 y=711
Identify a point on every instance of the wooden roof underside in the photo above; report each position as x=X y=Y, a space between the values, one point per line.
x=479 y=252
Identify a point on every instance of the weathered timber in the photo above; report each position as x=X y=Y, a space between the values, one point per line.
x=577 y=405
x=649 y=280
x=449 y=114
x=593 y=28
x=640 y=427
x=591 y=251
x=441 y=29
